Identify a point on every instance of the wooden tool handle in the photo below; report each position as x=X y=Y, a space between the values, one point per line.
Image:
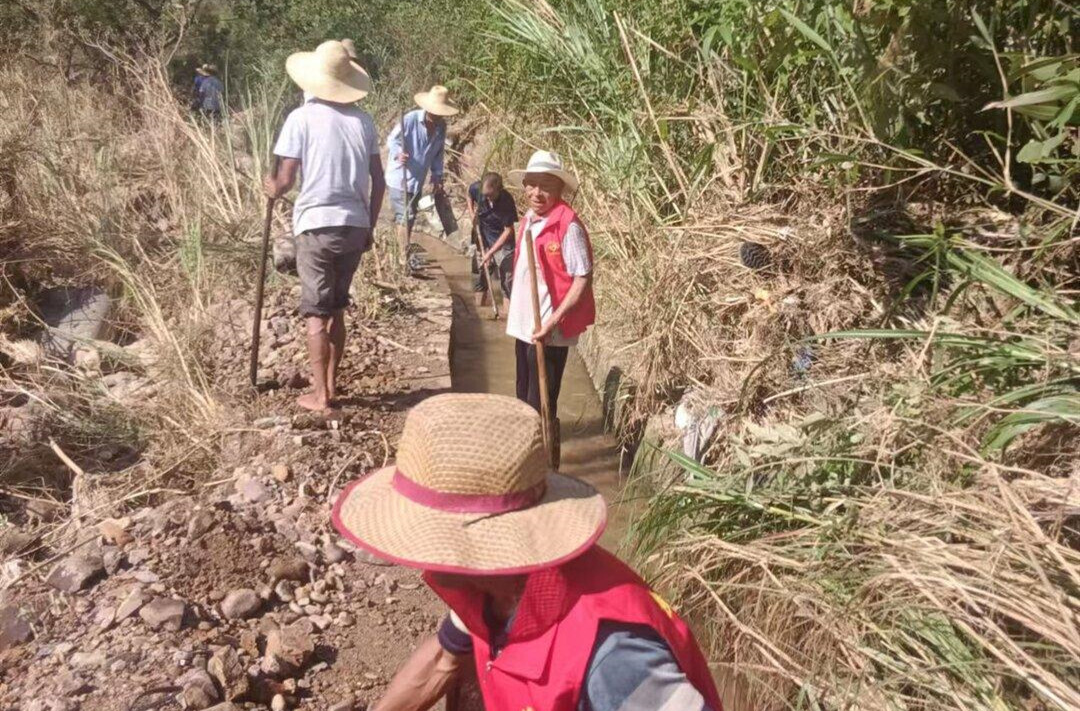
x=541 y=364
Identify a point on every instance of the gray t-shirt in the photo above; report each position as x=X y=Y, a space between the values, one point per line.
x=334 y=144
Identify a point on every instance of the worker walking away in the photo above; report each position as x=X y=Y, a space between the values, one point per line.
x=415 y=148
x=552 y=621
x=209 y=91
x=494 y=214
x=336 y=145
x=563 y=279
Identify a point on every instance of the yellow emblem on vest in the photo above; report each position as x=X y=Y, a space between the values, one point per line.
x=664 y=605
x=553 y=247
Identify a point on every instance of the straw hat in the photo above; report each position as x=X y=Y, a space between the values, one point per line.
x=472 y=492
x=350 y=48
x=546 y=162
x=436 y=101
x=329 y=74
x=206 y=70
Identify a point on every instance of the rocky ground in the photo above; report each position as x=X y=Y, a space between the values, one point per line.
x=238 y=593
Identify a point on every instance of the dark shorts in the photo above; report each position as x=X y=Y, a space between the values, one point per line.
x=501 y=270
x=326 y=260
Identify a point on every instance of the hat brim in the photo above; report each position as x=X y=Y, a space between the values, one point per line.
x=303 y=68
x=423 y=100
x=202 y=72
x=564 y=524
x=568 y=178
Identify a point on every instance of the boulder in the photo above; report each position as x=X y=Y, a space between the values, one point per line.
x=240 y=604
x=289 y=648
x=289 y=569
x=231 y=676
x=73 y=315
x=76 y=572
x=198 y=690
x=15 y=629
x=200 y=523
x=131 y=604
x=164 y=613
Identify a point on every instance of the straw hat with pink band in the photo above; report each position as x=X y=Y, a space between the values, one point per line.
x=472 y=492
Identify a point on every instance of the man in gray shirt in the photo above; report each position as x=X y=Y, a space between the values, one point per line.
x=336 y=146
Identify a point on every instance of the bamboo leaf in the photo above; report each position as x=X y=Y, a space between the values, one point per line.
x=806 y=30
x=1049 y=95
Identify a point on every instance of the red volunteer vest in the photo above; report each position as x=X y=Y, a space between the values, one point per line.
x=543 y=665
x=548 y=247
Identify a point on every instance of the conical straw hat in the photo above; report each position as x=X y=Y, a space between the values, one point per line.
x=329 y=73
x=471 y=492
x=436 y=101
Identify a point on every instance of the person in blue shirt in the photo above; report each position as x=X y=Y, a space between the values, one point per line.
x=209 y=90
x=494 y=214
x=416 y=148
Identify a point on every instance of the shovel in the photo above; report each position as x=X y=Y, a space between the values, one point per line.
x=486 y=270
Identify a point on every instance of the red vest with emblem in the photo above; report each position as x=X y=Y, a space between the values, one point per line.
x=548 y=245
x=543 y=664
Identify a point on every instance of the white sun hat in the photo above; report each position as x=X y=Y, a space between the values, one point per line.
x=329 y=73
x=547 y=162
x=436 y=101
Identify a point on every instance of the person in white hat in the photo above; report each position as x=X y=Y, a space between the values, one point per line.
x=564 y=271
x=209 y=91
x=416 y=147
x=551 y=621
x=337 y=146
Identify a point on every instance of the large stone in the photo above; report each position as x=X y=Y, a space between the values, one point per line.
x=231 y=676
x=131 y=604
x=289 y=648
x=200 y=523
x=76 y=572
x=198 y=690
x=252 y=490
x=240 y=604
x=289 y=569
x=224 y=707
x=88 y=660
x=74 y=315
x=163 y=613
x=15 y=629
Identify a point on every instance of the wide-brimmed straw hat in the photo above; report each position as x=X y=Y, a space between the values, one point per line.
x=436 y=101
x=545 y=162
x=206 y=70
x=472 y=492
x=329 y=73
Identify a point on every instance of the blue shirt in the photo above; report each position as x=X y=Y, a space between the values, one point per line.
x=425 y=152
x=492 y=217
x=631 y=668
x=210 y=92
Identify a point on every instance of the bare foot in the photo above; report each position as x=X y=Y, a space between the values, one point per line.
x=311 y=401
